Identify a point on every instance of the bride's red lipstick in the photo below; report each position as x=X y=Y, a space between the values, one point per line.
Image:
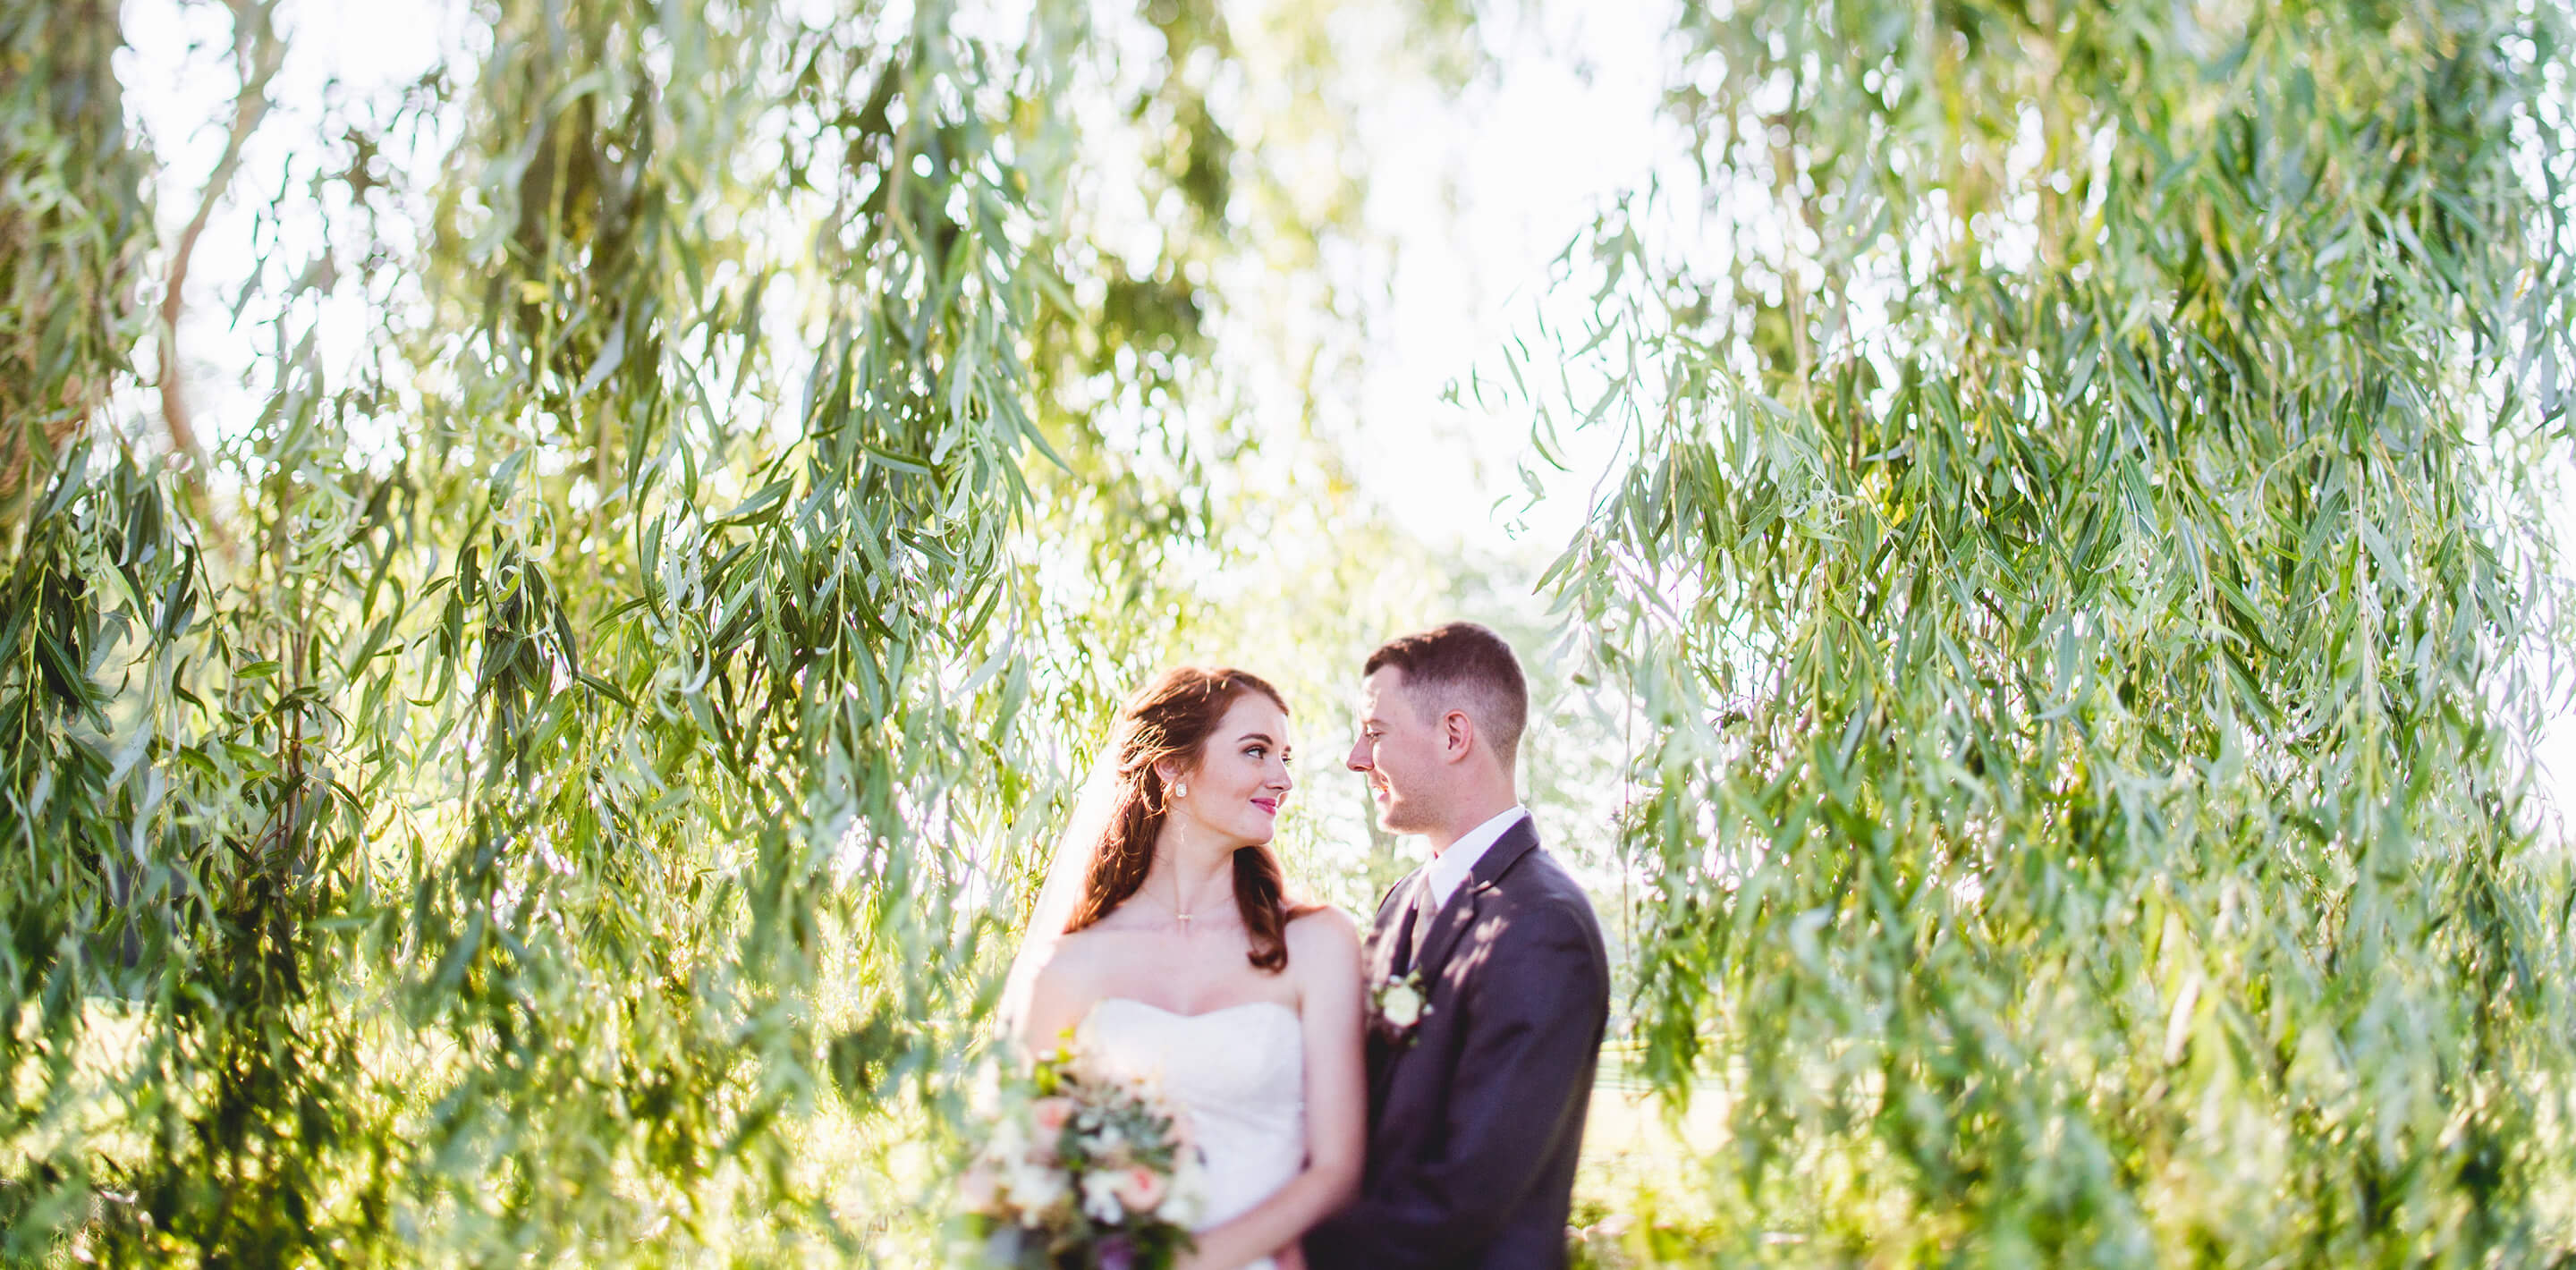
x=1270 y=805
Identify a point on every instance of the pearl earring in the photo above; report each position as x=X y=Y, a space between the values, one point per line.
x=1181 y=789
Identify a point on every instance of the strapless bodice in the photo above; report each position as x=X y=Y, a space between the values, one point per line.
x=1240 y=1073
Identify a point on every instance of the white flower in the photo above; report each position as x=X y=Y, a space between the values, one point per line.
x=978 y=1187
x=1180 y=1204
x=1008 y=1143
x=1100 y=1197
x=1034 y=1189
x=1400 y=1003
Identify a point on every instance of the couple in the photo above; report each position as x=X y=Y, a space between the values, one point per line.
x=1415 y=1103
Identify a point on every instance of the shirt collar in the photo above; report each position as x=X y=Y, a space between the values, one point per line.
x=1449 y=869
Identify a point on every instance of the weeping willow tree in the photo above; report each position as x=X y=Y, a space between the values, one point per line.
x=545 y=782
x=2080 y=553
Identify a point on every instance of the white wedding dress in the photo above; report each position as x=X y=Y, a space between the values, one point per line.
x=1240 y=1073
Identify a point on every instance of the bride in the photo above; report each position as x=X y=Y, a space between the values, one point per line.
x=1163 y=943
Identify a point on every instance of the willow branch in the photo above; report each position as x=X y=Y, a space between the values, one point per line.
x=259 y=52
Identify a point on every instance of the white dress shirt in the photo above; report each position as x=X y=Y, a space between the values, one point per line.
x=1449 y=869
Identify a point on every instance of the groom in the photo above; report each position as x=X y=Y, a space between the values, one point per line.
x=1488 y=985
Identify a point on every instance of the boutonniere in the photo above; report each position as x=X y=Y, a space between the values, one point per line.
x=1400 y=1002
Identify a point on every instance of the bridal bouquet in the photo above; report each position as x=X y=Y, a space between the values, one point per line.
x=1080 y=1170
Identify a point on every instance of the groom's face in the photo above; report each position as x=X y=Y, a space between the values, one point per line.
x=1398 y=751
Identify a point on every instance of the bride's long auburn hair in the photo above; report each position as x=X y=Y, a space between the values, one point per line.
x=1167 y=722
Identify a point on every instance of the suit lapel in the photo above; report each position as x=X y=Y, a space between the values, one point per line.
x=1459 y=913
x=1381 y=964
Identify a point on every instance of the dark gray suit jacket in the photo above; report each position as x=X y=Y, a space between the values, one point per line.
x=1476 y=1118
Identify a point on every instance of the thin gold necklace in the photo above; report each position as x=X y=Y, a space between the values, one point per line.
x=1177 y=911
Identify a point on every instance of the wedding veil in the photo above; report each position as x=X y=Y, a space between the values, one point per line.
x=1068 y=865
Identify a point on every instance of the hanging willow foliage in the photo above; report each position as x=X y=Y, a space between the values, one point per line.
x=548 y=786
x=2081 y=559
x=70 y=230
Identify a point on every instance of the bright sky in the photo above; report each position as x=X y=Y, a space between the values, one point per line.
x=1475 y=195
x=1478 y=194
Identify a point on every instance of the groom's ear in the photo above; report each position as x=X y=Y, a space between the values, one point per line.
x=1457 y=735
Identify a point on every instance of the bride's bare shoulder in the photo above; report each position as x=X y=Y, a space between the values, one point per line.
x=1082 y=957
x=1074 y=955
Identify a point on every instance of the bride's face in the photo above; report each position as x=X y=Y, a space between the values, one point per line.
x=1241 y=780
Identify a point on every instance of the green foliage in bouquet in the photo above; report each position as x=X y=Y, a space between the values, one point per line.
x=1078 y=1169
x=2080 y=553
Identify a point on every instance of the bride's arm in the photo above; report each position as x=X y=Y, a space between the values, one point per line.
x=1324 y=954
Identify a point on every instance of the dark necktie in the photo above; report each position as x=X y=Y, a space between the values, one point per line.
x=1403 y=963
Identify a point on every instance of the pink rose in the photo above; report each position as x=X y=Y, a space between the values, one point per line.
x=1140 y=1189
x=1051 y=1114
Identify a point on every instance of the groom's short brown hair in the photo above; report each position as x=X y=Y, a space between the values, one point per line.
x=1463 y=666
